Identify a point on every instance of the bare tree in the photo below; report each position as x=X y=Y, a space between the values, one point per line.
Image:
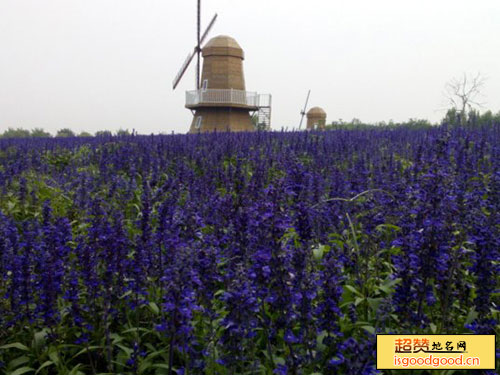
x=463 y=93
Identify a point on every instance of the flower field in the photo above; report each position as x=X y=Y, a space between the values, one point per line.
x=262 y=253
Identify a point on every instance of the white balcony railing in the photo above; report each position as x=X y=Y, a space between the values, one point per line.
x=231 y=96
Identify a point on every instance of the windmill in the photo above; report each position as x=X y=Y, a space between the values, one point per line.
x=303 y=112
x=196 y=51
x=220 y=101
x=316 y=119
x=316 y=116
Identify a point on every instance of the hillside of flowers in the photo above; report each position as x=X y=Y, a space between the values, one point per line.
x=263 y=253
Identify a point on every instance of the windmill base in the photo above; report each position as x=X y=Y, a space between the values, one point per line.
x=221 y=120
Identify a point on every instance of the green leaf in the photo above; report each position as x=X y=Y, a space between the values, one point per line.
x=369 y=329
x=154 y=308
x=374 y=303
x=161 y=365
x=74 y=370
x=144 y=366
x=136 y=329
x=319 y=340
x=361 y=323
x=383 y=227
x=128 y=351
x=318 y=253
x=84 y=350
x=157 y=353
x=353 y=290
x=126 y=294
x=10 y=206
x=18 y=362
x=160 y=371
x=45 y=364
x=433 y=328
x=279 y=360
x=471 y=316
x=387 y=287
x=22 y=370
x=39 y=339
x=16 y=345
x=219 y=292
x=54 y=356
x=116 y=338
x=338 y=243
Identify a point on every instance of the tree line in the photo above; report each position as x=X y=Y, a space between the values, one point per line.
x=61 y=133
x=453 y=117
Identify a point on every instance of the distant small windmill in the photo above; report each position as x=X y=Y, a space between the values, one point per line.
x=316 y=119
x=303 y=112
x=197 y=50
x=316 y=116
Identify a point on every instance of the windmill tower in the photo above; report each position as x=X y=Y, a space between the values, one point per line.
x=316 y=119
x=316 y=116
x=220 y=101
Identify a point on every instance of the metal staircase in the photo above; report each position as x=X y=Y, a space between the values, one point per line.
x=264 y=112
x=264 y=118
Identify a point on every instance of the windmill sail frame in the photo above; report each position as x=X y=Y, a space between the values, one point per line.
x=197 y=50
x=183 y=69
x=303 y=112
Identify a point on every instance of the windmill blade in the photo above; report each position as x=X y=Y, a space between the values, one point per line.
x=210 y=25
x=303 y=112
x=183 y=68
x=198 y=48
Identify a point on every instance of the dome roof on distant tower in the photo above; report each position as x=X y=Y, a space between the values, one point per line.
x=316 y=111
x=223 y=45
x=222 y=41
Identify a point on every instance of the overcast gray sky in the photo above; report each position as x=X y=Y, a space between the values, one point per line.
x=109 y=64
